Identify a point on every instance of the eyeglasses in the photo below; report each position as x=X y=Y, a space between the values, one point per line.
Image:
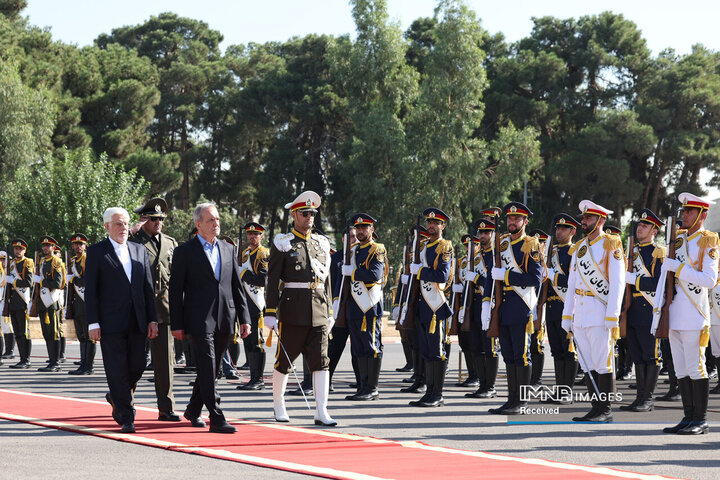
x=307 y=213
x=155 y=219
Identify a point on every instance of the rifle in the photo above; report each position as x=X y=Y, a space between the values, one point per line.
x=468 y=301
x=537 y=324
x=6 y=305
x=70 y=292
x=628 y=288
x=36 y=293
x=401 y=293
x=455 y=300
x=494 y=329
x=407 y=313
x=663 y=328
x=341 y=317
x=239 y=251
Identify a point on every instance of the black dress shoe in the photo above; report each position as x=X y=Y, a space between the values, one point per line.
x=232 y=376
x=168 y=416
x=406 y=368
x=128 y=427
x=197 y=422
x=222 y=428
x=21 y=365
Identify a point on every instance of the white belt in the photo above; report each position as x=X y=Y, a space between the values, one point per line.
x=307 y=285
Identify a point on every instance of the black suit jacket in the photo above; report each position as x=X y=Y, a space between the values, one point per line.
x=109 y=296
x=199 y=304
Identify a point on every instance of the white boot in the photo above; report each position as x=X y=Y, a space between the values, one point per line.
x=321 y=383
x=279 y=384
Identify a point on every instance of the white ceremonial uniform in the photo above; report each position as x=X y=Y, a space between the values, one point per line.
x=593 y=302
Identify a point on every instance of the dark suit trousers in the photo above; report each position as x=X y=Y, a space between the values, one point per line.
x=208 y=350
x=124 y=362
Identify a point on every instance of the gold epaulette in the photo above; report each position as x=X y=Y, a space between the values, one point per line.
x=531 y=244
x=504 y=235
x=443 y=246
x=612 y=242
x=573 y=248
x=680 y=231
x=263 y=252
x=376 y=249
x=659 y=252
x=708 y=239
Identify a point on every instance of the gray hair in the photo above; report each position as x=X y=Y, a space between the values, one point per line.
x=197 y=213
x=109 y=212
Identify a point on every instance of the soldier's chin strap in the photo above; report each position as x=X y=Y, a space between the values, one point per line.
x=595 y=227
x=696 y=219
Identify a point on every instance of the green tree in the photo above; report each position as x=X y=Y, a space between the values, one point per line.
x=61 y=196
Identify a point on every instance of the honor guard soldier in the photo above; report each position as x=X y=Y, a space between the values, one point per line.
x=484 y=348
x=76 y=306
x=647 y=258
x=7 y=331
x=50 y=281
x=715 y=330
x=160 y=248
x=302 y=312
x=696 y=272
x=623 y=365
x=520 y=274
x=592 y=308
x=20 y=281
x=432 y=309
x=537 y=352
x=253 y=273
x=558 y=271
x=464 y=335
x=367 y=273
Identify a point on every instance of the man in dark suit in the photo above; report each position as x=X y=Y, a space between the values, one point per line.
x=206 y=298
x=120 y=308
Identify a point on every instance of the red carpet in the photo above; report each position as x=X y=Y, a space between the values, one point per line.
x=303 y=450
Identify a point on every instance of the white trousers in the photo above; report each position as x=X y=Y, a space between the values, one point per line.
x=688 y=355
x=715 y=340
x=594 y=348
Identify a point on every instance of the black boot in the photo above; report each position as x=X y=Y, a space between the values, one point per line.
x=604 y=411
x=362 y=364
x=650 y=379
x=418 y=385
x=53 y=347
x=90 y=350
x=698 y=425
x=472 y=377
x=686 y=395
x=437 y=369
x=83 y=359
x=24 y=350
x=523 y=373
x=640 y=394
x=491 y=369
x=479 y=361
x=373 y=378
x=61 y=354
x=257 y=366
x=511 y=381
x=430 y=380
x=594 y=400
x=569 y=370
x=408 y=352
x=673 y=394
x=538 y=364
x=9 y=347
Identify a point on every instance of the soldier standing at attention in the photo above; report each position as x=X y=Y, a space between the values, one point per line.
x=432 y=309
x=76 y=281
x=50 y=281
x=160 y=248
x=20 y=280
x=302 y=312
x=253 y=274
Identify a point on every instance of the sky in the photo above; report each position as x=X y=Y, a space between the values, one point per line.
x=664 y=23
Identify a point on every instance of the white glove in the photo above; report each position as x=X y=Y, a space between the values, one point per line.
x=498 y=274
x=65 y=312
x=415 y=268
x=403 y=314
x=471 y=276
x=69 y=277
x=670 y=265
x=404 y=279
x=551 y=274
x=566 y=325
x=457 y=288
x=271 y=323
x=485 y=315
x=655 y=323
x=336 y=306
x=461 y=315
x=611 y=324
x=331 y=323
x=630 y=278
x=347 y=270
x=10 y=279
x=37 y=278
x=396 y=313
